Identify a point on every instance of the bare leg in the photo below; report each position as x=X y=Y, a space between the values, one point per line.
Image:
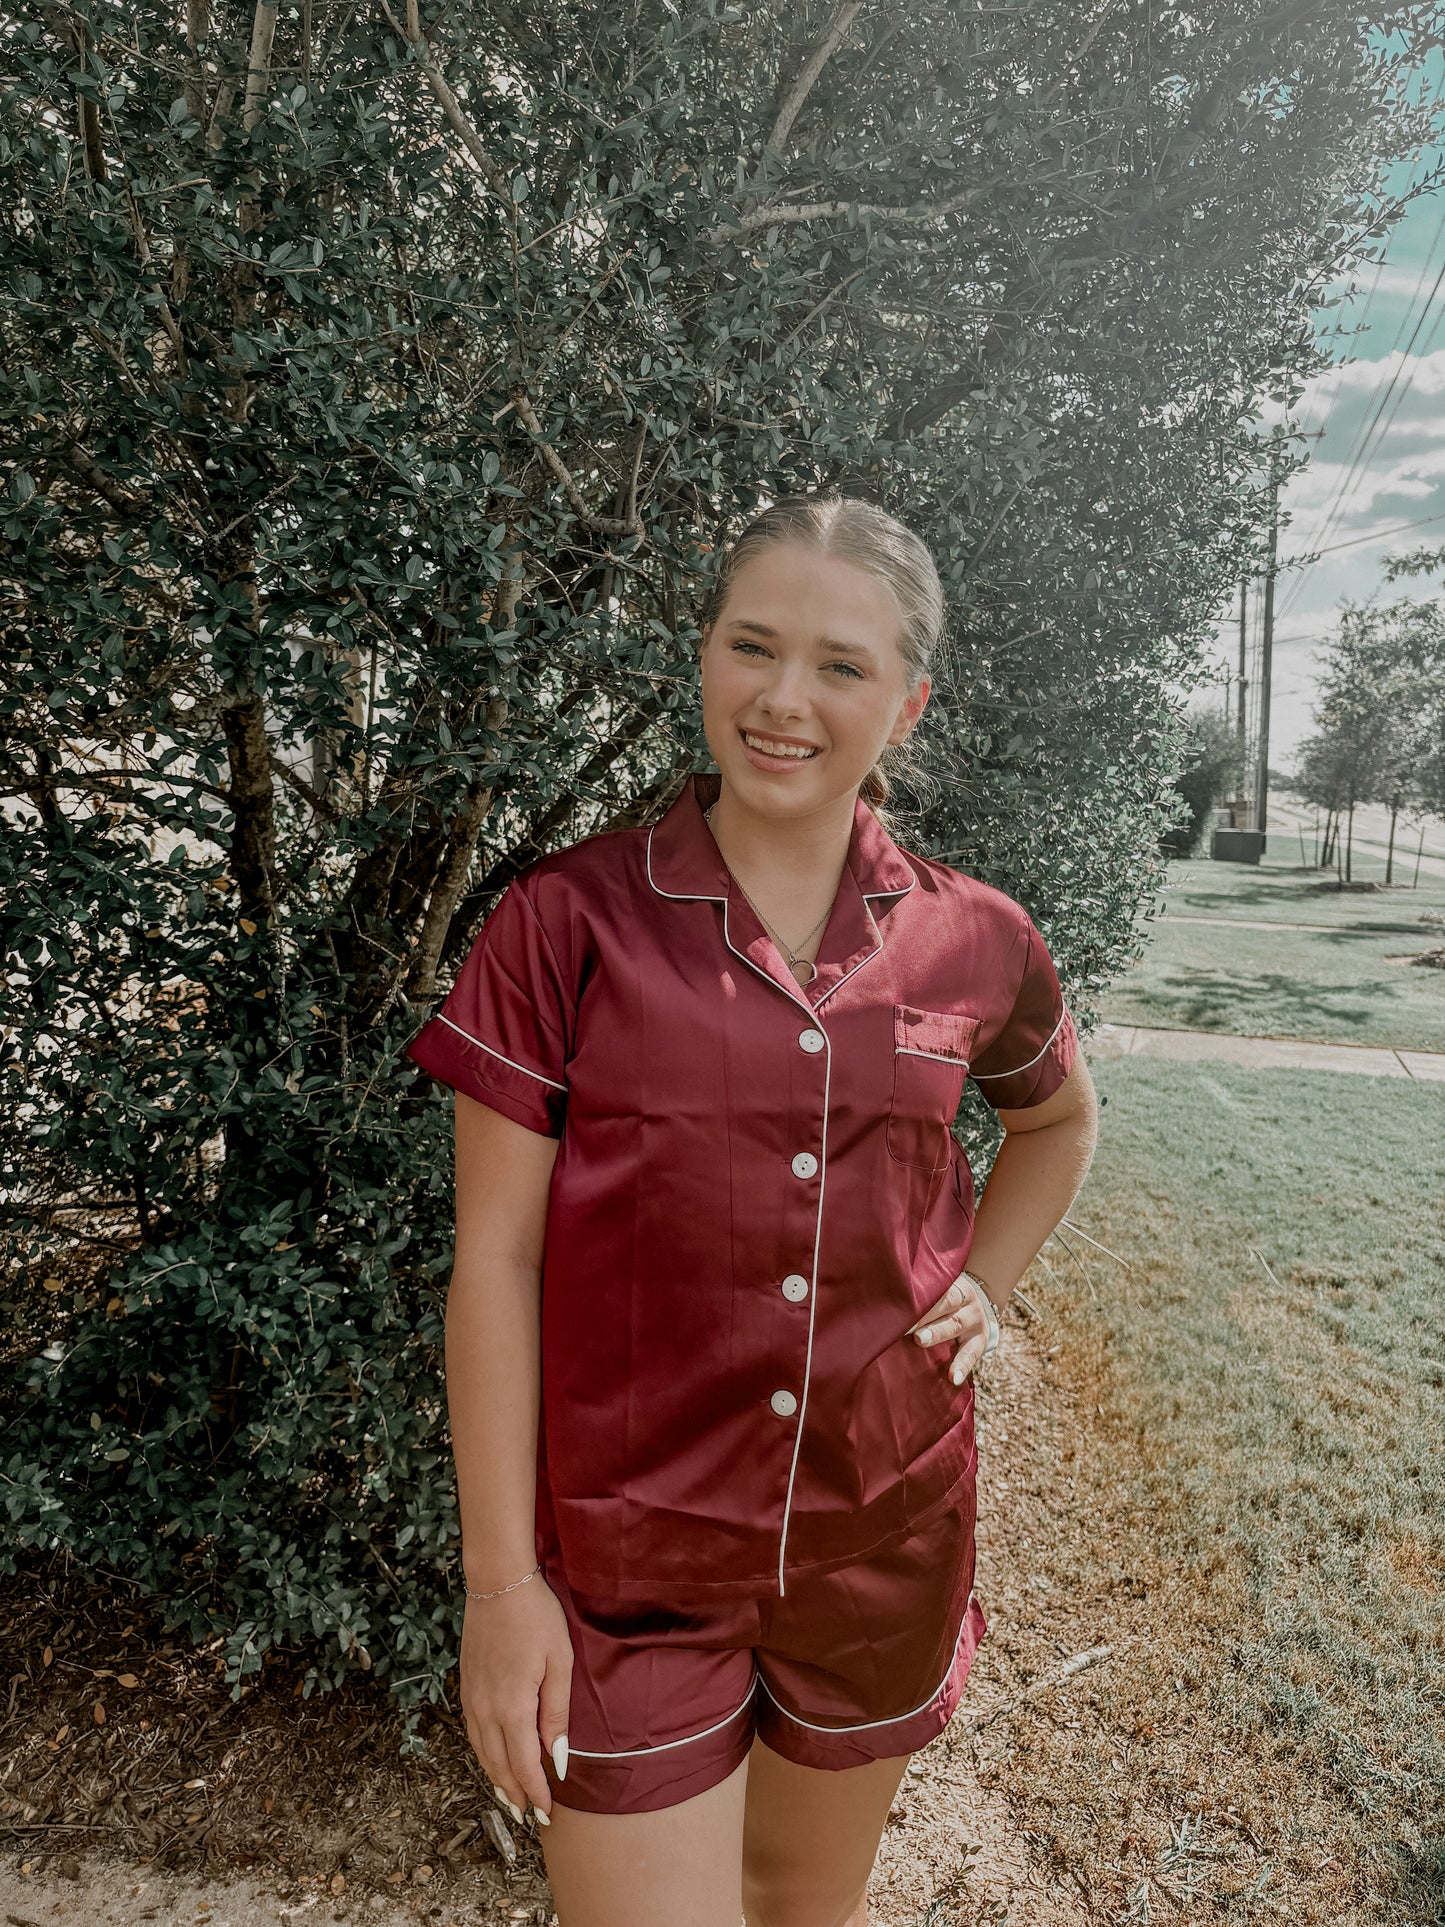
x=678 y=1867
x=811 y=1838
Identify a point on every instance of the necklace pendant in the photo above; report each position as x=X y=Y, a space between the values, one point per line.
x=799 y=966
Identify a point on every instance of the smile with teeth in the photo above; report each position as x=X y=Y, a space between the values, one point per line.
x=769 y=748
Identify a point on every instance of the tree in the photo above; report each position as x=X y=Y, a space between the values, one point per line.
x=1211 y=769
x=1429 y=770
x=376 y=385
x=1379 y=694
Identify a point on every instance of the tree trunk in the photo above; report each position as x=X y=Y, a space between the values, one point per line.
x=461 y=846
x=1390 y=856
x=1350 y=845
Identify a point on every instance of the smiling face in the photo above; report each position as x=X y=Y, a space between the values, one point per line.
x=803 y=680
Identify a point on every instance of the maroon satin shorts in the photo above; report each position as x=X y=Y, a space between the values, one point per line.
x=863 y=1662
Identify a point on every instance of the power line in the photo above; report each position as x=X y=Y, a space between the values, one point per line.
x=1313 y=555
x=1365 y=440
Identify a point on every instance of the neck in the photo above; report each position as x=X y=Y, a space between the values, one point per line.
x=802 y=846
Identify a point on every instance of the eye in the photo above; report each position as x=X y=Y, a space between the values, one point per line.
x=848 y=668
x=743 y=643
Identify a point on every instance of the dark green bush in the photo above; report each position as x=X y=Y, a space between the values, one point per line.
x=1209 y=773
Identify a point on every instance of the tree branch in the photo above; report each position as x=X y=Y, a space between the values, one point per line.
x=303 y=789
x=788 y=213
x=258 y=66
x=412 y=34
x=843 y=17
x=604 y=524
x=461 y=845
x=85 y=469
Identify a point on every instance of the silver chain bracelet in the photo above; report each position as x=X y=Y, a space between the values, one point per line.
x=501 y=1589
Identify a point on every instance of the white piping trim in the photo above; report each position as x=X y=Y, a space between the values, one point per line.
x=678 y=896
x=632 y=1752
x=907 y=1050
x=863 y=1726
x=987 y=1077
x=496 y=1053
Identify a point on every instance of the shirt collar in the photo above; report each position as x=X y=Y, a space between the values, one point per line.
x=683 y=860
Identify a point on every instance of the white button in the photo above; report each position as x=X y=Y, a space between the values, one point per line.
x=795 y=1287
x=812 y=1040
x=804 y=1165
x=784 y=1404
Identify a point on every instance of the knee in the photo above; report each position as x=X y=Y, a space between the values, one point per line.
x=776 y=1899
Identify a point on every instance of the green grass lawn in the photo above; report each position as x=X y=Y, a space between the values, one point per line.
x=1269 y=1380
x=1334 y=983
x=1277 y=889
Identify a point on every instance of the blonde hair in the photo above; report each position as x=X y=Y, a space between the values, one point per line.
x=869 y=537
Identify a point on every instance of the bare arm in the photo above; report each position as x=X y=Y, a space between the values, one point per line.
x=493 y=1338
x=1045 y=1154
x=516 y=1659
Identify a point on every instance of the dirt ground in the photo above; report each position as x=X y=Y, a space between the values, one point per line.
x=133 y=1789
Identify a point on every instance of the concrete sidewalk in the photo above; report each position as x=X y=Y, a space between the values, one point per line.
x=1287 y=1053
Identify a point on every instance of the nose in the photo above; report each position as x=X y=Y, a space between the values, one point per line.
x=785 y=693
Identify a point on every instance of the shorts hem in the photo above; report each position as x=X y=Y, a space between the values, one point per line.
x=832 y=1748
x=645 y=1780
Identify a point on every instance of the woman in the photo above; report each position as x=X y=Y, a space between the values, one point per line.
x=716 y=1480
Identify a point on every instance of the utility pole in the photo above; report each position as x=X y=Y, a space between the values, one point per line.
x=1242 y=781
x=1266 y=657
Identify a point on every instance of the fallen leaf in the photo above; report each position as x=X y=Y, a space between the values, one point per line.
x=495 y=1827
x=99 y=1711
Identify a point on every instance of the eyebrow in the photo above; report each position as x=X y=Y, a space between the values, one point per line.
x=824 y=642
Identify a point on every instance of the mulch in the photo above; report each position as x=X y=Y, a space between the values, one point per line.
x=121 y=1742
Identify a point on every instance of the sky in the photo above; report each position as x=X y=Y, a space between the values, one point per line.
x=1380 y=462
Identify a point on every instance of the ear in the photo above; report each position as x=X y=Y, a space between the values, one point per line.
x=910 y=712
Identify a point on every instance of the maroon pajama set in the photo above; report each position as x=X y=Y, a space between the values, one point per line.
x=755 y=1492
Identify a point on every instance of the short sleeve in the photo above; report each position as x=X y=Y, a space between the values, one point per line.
x=1034 y=1049
x=503 y=1034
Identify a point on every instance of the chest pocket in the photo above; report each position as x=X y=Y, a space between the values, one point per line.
x=931 y=1050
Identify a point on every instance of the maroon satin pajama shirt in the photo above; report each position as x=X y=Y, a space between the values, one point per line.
x=755 y=1493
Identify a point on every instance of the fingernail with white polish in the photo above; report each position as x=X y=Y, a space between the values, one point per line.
x=511 y=1807
x=542 y=1818
x=559 y=1755
x=924 y=1335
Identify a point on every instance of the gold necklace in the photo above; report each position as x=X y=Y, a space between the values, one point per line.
x=796 y=963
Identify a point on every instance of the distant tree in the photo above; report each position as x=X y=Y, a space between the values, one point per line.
x=1375 y=714
x=1430 y=769
x=1211 y=769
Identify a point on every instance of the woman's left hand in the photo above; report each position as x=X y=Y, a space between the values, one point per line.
x=957 y=1314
